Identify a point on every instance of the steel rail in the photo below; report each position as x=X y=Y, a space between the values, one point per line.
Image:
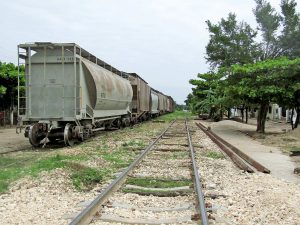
x=198 y=185
x=234 y=149
x=240 y=162
x=87 y=215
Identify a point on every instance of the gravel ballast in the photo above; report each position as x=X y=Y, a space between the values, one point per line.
x=243 y=198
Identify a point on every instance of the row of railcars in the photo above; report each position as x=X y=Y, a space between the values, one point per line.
x=69 y=94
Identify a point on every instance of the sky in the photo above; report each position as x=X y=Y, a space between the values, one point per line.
x=161 y=40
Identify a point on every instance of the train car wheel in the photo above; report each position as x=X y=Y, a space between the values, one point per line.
x=33 y=135
x=68 y=138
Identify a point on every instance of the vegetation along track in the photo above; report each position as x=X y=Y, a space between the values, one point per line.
x=161 y=186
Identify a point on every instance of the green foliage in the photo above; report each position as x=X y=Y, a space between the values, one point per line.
x=230 y=43
x=9 y=83
x=280 y=32
x=271 y=80
x=207 y=97
x=249 y=77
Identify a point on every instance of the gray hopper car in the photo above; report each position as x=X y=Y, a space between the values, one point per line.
x=69 y=94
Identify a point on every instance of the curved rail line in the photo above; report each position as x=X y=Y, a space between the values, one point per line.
x=94 y=208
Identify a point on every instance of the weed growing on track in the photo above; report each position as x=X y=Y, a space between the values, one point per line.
x=84 y=178
x=174 y=155
x=214 y=155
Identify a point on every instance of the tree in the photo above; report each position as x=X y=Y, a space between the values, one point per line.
x=280 y=32
x=206 y=96
x=267 y=81
x=9 y=83
x=231 y=43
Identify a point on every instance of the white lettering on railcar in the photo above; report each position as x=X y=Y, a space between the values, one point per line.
x=69 y=59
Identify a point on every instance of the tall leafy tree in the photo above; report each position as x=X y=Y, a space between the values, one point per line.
x=267 y=81
x=280 y=32
x=231 y=42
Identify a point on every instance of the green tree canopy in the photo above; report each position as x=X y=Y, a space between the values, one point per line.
x=9 y=83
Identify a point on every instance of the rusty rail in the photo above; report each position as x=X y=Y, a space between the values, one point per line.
x=241 y=159
x=88 y=213
x=198 y=185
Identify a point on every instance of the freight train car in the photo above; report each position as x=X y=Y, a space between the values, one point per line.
x=141 y=100
x=154 y=103
x=69 y=93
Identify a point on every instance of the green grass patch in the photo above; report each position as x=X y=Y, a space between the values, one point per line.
x=294 y=149
x=175 y=115
x=214 y=155
x=85 y=178
x=157 y=183
x=175 y=155
x=13 y=168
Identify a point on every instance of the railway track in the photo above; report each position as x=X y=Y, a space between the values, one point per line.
x=242 y=160
x=162 y=186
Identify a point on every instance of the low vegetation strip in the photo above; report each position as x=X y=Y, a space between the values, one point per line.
x=91 y=162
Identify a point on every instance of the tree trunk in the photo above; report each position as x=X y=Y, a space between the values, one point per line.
x=297 y=117
x=242 y=112
x=247 y=114
x=292 y=123
x=261 y=118
x=228 y=113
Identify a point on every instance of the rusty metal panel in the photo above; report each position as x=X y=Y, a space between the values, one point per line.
x=169 y=104
x=154 y=102
x=144 y=96
x=160 y=102
x=141 y=94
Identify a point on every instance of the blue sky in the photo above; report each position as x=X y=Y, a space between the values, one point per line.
x=161 y=40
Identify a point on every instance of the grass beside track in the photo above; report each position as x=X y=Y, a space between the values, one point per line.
x=176 y=115
x=90 y=162
x=214 y=155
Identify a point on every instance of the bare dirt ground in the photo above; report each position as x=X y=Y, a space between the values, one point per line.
x=10 y=140
x=278 y=134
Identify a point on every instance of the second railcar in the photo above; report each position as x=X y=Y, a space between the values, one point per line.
x=141 y=100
